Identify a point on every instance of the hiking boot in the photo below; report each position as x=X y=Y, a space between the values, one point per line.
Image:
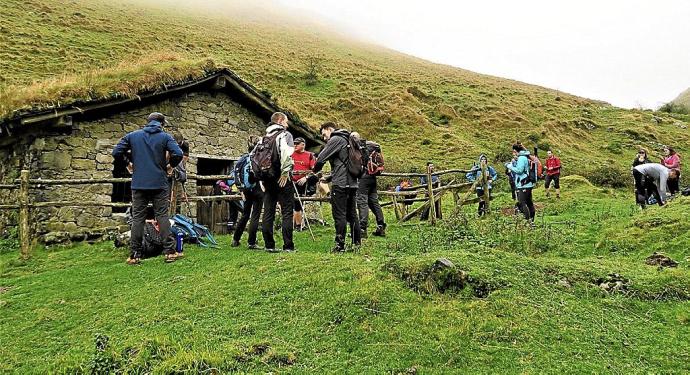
x=171 y=257
x=290 y=250
x=253 y=246
x=338 y=249
x=235 y=244
x=133 y=261
x=380 y=231
x=273 y=250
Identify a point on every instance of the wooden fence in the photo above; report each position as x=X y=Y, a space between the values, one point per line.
x=431 y=195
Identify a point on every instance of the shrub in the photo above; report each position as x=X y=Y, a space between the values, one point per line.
x=609 y=175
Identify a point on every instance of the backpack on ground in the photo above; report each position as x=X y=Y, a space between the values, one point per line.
x=197 y=232
x=357 y=156
x=244 y=178
x=375 y=164
x=536 y=170
x=265 y=161
x=153 y=243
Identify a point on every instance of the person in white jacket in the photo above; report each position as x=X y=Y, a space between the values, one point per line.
x=651 y=179
x=279 y=190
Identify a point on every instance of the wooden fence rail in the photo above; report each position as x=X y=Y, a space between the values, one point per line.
x=430 y=193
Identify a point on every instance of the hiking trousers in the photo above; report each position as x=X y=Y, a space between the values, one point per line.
x=526 y=205
x=160 y=199
x=368 y=198
x=251 y=213
x=344 y=209
x=273 y=195
x=645 y=188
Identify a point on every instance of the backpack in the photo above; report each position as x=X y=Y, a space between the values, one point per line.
x=244 y=179
x=195 y=233
x=153 y=244
x=375 y=164
x=265 y=160
x=357 y=156
x=536 y=170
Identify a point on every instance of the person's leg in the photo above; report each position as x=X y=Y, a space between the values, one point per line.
x=139 y=205
x=286 y=196
x=522 y=201
x=530 y=205
x=547 y=185
x=480 y=209
x=557 y=184
x=363 y=206
x=244 y=219
x=298 y=214
x=270 y=203
x=654 y=190
x=257 y=205
x=640 y=189
x=355 y=230
x=339 y=210
x=161 y=208
x=373 y=203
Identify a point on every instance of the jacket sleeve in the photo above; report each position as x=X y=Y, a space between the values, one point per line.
x=492 y=174
x=121 y=149
x=520 y=166
x=663 y=180
x=286 y=148
x=312 y=161
x=175 y=151
x=471 y=176
x=332 y=149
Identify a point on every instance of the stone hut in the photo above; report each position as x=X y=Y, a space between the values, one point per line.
x=215 y=113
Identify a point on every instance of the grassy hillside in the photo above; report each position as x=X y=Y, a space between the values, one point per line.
x=419 y=110
x=517 y=301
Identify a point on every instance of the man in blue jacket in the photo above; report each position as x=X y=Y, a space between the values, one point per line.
x=523 y=185
x=151 y=153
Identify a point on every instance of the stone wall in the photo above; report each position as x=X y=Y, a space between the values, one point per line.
x=211 y=122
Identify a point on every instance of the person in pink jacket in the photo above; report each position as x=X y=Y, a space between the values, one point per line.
x=672 y=161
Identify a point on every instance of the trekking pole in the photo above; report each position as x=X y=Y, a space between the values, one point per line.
x=303 y=210
x=186 y=199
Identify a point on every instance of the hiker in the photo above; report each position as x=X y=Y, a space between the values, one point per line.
x=224 y=187
x=406 y=185
x=272 y=164
x=651 y=179
x=367 y=195
x=640 y=158
x=148 y=148
x=252 y=195
x=345 y=184
x=553 y=173
x=435 y=182
x=672 y=161
x=178 y=176
x=303 y=179
x=523 y=183
x=477 y=175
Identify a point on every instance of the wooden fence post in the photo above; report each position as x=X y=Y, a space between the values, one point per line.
x=24 y=232
x=432 y=203
x=485 y=188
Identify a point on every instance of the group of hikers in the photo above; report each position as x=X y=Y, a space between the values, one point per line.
x=275 y=168
x=278 y=170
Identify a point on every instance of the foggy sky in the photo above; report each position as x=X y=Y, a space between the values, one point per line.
x=629 y=53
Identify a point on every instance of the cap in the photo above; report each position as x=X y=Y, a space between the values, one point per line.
x=299 y=140
x=157 y=116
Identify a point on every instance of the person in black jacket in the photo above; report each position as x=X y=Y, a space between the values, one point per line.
x=153 y=153
x=251 y=212
x=344 y=192
x=368 y=197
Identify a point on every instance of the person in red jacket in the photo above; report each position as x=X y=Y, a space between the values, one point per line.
x=553 y=173
x=304 y=165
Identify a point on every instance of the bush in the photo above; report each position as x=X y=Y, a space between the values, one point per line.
x=609 y=175
x=672 y=107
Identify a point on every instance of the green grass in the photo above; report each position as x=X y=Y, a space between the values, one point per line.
x=373 y=311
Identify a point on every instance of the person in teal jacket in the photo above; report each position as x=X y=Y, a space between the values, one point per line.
x=476 y=174
x=523 y=186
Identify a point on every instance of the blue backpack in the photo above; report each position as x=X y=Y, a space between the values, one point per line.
x=244 y=178
x=192 y=232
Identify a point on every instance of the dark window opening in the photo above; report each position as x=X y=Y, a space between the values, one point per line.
x=122 y=191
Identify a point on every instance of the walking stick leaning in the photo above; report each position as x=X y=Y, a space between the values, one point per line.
x=299 y=199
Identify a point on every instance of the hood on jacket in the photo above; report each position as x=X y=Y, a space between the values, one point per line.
x=341 y=132
x=272 y=128
x=153 y=127
x=524 y=153
x=479 y=159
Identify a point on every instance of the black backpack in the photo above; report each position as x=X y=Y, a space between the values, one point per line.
x=265 y=159
x=357 y=156
x=153 y=243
